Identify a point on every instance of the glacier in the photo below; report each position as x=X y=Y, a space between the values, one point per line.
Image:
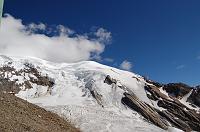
x=71 y=98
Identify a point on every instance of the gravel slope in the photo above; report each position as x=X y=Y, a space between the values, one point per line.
x=17 y=115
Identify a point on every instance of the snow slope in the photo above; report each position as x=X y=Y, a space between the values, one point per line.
x=71 y=98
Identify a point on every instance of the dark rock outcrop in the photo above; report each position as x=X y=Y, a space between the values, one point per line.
x=179 y=115
x=155 y=92
x=144 y=109
x=177 y=90
x=109 y=80
x=173 y=112
x=157 y=84
x=11 y=86
x=194 y=98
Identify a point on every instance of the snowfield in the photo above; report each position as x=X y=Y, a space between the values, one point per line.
x=70 y=97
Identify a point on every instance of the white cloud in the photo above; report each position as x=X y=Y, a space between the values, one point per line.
x=35 y=27
x=103 y=35
x=25 y=40
x=110 y=60
x=64 y=30
x=126 y=65
x=180 y=67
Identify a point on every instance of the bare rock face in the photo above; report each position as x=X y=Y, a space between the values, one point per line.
x=173 y=112
x=145 y=110
x=30 y=75
x=177 y=89
x=155 y=93
x=180 y=116
x=109 y=80
x=157 y=84
x=195 y=97
x=176 y=113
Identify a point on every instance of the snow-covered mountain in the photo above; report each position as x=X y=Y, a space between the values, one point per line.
x=96 y=97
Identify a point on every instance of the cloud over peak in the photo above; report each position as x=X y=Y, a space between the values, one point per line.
x=32 y=40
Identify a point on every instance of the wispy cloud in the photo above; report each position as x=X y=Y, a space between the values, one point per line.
x=36 y=27
x=198 y=57
x=180 y=67
x=110 y=60
x=63 y=45
x=126 y=65
x=103 y=35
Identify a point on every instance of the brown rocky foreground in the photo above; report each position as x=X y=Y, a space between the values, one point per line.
x=17 y=115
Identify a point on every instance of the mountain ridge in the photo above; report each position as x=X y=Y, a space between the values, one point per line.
x=86 y=90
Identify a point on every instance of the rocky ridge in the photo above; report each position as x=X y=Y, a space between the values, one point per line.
x=173 y=113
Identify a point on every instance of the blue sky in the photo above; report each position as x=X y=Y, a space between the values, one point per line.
x=161 y=38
